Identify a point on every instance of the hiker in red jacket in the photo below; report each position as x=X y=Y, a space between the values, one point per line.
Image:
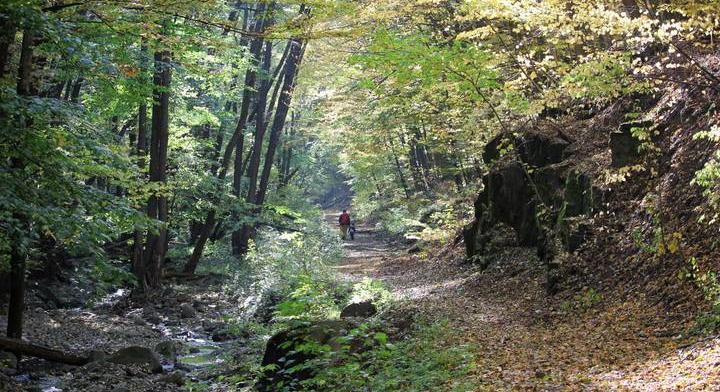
x=344 y=224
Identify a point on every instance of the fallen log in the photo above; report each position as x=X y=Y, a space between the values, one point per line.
x=19 y=347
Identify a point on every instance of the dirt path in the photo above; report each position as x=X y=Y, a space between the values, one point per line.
x=364 y=254
x=526 y=340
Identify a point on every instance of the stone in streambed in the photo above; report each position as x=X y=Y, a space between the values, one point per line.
x=136 y=355
x=8 y=363
x=187 y=311
x=168 y=350
x=175 y=378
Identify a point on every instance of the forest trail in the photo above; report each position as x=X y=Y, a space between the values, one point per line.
x=363 y=255
x=525 y=340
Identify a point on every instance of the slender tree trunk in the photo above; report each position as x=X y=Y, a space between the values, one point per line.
x=260 y=97
x=291 y=70
x=209 y=223
x=398 y=168
x=138 y=263
x=241 y=237
x=18 y=245
x=157 y=206
x=260 y=128
x=286 y=96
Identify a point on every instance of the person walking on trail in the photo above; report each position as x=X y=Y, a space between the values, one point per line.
x=344 y=224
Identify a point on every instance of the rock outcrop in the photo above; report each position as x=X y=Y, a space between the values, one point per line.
x=533 y=189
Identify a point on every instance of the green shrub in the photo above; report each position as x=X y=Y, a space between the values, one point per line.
x=426 y=361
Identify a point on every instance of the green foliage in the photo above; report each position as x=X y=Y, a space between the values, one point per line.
x=310 y=298
x=425 y=361
x=371 y=290
x=110 y=274
x=707 y=282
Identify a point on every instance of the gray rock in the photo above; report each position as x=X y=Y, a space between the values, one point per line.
x=137 y=320
x=136 y=355
x=360 y=309
x=8 y=363
x=121 y=387
x=97 y=355
x=168 y=350
x=187 y=311
x=175 y=378
x=624 y=146
x=151 y=316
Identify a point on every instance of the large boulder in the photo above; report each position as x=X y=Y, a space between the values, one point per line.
x=532 y=191
x=296 y=346
x=363 y=309
x=136 y=355
x=540 y=150
x=578 y=195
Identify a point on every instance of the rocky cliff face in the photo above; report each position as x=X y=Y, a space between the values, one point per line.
x=534 y=189
x=591 y=191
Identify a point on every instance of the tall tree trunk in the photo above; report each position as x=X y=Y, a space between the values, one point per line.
x=283 y=108
x=398 y=168
x=260 y=127
x=291 y=70
x=209 y=223
x=260 y=99
x=157 y=206
x=138 y=262
x=241 y=237
x=18 y=243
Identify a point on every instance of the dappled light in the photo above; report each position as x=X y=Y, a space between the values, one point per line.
x=359 y=195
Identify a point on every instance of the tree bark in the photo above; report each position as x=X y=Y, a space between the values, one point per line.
x=18 y=255
x=280 y=115
x=157 y=206
x=291 y=68
x=209 y=223
x=398 y=168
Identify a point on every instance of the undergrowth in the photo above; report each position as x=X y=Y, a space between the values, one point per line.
x=426 y=361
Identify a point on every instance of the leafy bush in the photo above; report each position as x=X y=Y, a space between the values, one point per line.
x=427 y=361
x=707 y=281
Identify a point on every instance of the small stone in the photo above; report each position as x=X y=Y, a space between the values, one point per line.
x=359 y=309
x=151 y=316
x=176 y=378
x=187 y=311
x=136 y=355
x=168 y=350
x=221 y=336
x=137 y=319
x=96 y=355
x=121 y=387
x=8 y=363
